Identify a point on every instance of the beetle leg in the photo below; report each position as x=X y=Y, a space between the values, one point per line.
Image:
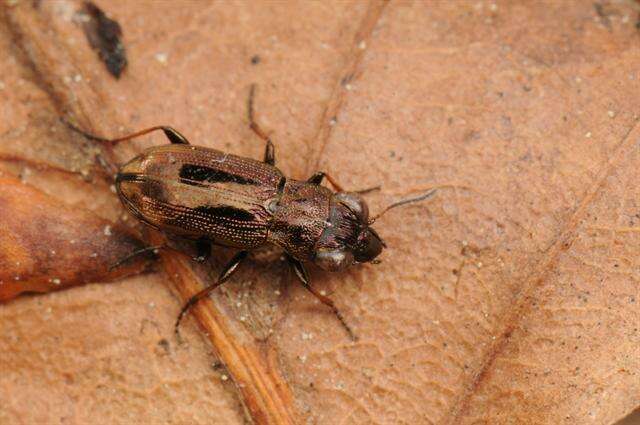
x=269 y=152
x=145 y=250
x=203 y=251
x=172 y=134
x=302 y=275
x=316 y=178
x=320 y=175
x=226 y=273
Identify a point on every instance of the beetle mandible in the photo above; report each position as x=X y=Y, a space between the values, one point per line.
x=213 y=197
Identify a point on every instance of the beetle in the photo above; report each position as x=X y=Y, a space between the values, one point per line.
x=218 y=198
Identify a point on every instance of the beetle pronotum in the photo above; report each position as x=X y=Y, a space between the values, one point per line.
x=218 y=198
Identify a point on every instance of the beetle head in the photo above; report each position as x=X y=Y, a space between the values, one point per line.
x=347 y=239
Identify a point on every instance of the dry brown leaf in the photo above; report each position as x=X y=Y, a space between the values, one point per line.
x=512 y=297
x=46 y=245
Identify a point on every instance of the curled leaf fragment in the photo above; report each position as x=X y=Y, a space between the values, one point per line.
x=46 y=245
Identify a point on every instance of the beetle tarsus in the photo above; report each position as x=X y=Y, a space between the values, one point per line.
x=352 y=335
x=145 y=250
x=82 y=132
x=185 y=308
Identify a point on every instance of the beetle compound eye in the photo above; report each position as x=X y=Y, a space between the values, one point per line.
x=333 y=260
x=355 y=203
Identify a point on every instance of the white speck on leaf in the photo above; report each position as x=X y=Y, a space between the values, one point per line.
x=161 y=57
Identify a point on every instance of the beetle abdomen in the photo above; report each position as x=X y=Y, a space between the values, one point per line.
x=199 y=192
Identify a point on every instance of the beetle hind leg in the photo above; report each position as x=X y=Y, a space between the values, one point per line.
x=172 y=134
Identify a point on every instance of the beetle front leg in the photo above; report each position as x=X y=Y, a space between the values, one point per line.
x=269 y=152
x=302 y=275
x=226 y=273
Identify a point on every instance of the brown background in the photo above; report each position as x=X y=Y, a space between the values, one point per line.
x=510 y=297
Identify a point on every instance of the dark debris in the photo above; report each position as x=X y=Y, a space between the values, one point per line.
x=105 y=36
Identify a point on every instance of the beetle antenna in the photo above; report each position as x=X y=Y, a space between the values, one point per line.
x=403 y=202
